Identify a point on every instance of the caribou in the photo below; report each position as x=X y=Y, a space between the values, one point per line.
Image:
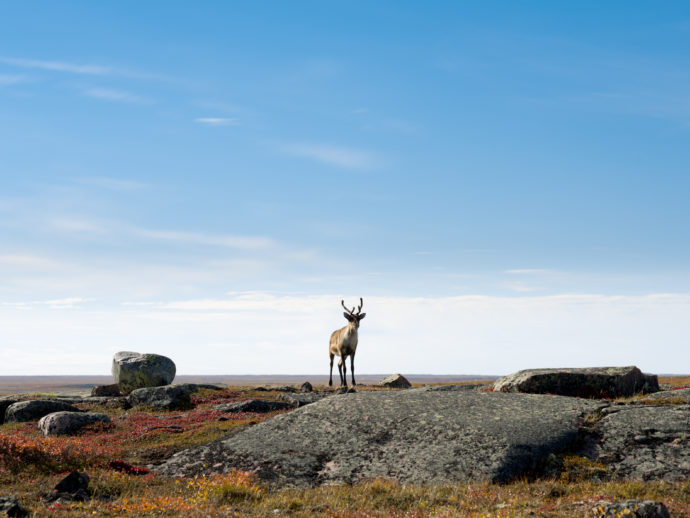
x=344 y=343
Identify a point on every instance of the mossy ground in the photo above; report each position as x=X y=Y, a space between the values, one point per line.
x=31 y=465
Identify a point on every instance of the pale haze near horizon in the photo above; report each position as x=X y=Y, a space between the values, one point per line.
x=506 y=186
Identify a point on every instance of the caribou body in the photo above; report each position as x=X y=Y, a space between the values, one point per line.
x=343 y=343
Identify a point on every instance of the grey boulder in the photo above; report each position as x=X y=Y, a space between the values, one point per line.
x=168 y=397
x=594 y=382
x=641 y=442
x=414 y=436
x=5 y=402
x=133 y=370
x=59 y=423
x=633 y=509
x=395 y=381
x=10 y=506
x=23 y=411
x=254 y=405
x=106 y=390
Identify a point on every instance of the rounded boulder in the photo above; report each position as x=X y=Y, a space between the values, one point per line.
x=133 y=370
x=60 y=423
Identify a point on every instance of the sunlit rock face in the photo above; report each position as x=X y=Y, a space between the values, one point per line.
x=594 y=382
x=133 y=370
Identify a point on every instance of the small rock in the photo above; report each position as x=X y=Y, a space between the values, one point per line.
x=133 y=370
x=254 y=405
x=106 y=390
x=299 y=400
x=10 y=506
x=306 y=387
x=395 y=381
x=23 y=411
x=72 y=483
x=167 y=397
x=633 y=508
x=59 y=423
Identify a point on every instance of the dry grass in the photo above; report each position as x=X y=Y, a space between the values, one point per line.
x=30 y=466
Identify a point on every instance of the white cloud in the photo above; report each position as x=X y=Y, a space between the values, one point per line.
x=66 y=303
x=346 y=158
x=288 y=333
x=58 y=66
x=8 y=80
x=75 y=225
x=238 y=242
x=25 y=260
x=121 y=96
x=113 y=184
x=217 y=121
x=528 y=271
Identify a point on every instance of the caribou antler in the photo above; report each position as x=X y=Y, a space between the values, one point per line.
x=361 y=304
x=350 y=311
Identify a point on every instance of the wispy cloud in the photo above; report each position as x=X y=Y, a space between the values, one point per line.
x=25 y=260
x=113 y=184
x=346 y=158
x=66 y=303
x=8 y=80
x=528 y=271
x=218 y=121
x=238 y=242
x=75 y=225
x=58 y=66
x=120 y=96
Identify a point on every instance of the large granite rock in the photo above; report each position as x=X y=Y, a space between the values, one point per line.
x=6 y=402
x=168 y=397
x=641 y=441
x=395 y=381
x=133 y=370
x=23 y=411
x=259 y=406
x=59 y=423
x=415 y=436
x=595 y=382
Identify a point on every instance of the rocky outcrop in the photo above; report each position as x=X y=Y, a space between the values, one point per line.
x=306 y=387
x=641 y=442
x=395 y=381
x=9 y=506
x=632 y=509
x=59 y=423
x=254 y=405
x=5 y=402
x=133 y=370
x=23 y=411
x=668 y=397
x=298 y=400
x=596 y=382
x=106 y=390
x=168 y=397
x=415 y=436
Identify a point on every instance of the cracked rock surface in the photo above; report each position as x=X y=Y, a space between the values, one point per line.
x=643 y=442
x=416 y=436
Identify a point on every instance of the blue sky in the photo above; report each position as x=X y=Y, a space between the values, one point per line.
x=209 y=179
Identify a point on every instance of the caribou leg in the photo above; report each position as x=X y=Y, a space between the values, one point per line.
x=330 y=376
x=352 y=368
x=343 y=360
